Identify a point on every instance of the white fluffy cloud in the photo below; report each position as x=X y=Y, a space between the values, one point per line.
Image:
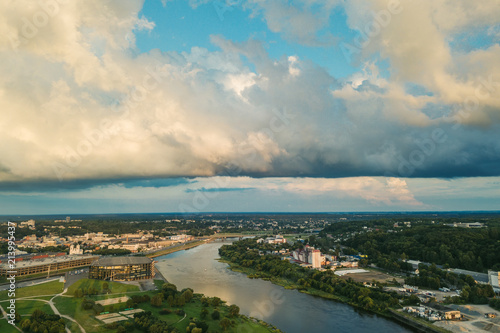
x=78 y=102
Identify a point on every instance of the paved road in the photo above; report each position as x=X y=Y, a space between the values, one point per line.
x=56 y=311
x=21 y=284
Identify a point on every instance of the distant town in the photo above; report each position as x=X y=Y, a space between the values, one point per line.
x=393 y=255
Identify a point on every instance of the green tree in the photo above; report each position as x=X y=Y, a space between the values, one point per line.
x=98 y=308
x=156 y=300
x=129 y=303
x=234 y=310
x=215 y=315
x=225 y=323
x=25 y=325
x=188 y=295
x=79 y=292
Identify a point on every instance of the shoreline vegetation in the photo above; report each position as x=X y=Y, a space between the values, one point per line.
x=303 y=287
x=165 y=309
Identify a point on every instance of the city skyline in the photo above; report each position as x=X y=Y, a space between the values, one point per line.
x=249 y=106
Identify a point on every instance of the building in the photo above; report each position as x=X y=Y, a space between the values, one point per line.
x=308 y=255
x=133 y=247
x=452 y=315
x=446 y=312
x=478 y=277
x=30 y=224
x=122 y=268
x=75 y=249
x=349 y=264
x=466 y=225
x=45 y=263
x=493 y=280
x=315 y=258
x=278 y=239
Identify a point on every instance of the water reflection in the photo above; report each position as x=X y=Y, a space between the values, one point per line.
x=289 y=310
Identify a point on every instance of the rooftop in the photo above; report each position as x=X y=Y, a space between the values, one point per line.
x=116 y=261
x=47 y=260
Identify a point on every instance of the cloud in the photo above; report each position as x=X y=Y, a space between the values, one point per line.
x=377 y=191
x=224 y=189
x=303 y=22
x=79 y=103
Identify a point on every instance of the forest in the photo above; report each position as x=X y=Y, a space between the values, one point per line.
x=471 y=249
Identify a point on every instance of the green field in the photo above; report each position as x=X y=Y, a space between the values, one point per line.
x=71 y=306
x=49 y=288
x=28 y=306
x=115 y=287
x=5 y=327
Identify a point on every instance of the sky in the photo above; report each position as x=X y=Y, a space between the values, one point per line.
x=110 y=106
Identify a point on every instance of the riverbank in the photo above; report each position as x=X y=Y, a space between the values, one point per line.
x=287 y=284
x=287 y=309
x=178 y=248
x=414 y=323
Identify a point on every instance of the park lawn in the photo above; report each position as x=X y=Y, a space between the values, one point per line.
x=71 y=306
x=193 y=309
x=49 y=288
x=73 y=327
x=115 y=287
x=25 y=307
x=158 y=283
x=5 y=327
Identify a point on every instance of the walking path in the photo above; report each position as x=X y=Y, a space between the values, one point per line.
x=52 y=306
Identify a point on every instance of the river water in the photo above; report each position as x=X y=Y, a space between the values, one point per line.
x=288 y=310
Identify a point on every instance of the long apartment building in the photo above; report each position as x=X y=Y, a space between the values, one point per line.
x=45 y=263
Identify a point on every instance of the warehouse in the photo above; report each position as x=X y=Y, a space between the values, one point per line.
x=122 y=269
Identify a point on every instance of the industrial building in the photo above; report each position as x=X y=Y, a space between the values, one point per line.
x=122 y=268
x=45 y=263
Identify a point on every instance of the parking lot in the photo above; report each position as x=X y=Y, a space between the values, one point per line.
x=75 y=275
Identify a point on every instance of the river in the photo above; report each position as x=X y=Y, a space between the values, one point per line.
x=288 y=310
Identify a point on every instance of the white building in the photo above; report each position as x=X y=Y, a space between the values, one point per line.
x=315 y=258
x=75 y=249
x=29 y=224
x=493 y=280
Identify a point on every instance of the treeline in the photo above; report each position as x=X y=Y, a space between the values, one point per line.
x=495 y=303
x=60 y=248
x=472 y=249
x=434 y=278
x=171 y=300
x=245 y=254
x=114 y=252
x=40 y=321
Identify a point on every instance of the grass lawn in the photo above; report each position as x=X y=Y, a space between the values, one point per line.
x=115 y=287
x=193 y=309
x=73 y=327
x=5 y=327
x=28 y=306
x=71 y=306
x=158 y=283
x=49 y=288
